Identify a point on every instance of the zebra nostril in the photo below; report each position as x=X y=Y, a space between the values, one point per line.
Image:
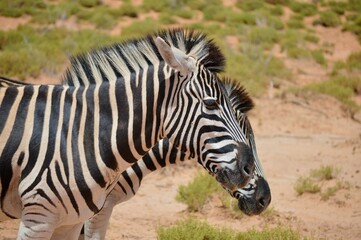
x=261 y=202
x=247 y=170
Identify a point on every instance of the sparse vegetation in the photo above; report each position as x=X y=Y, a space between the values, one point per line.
x=342 y=88
x=200 y=230
x=196 y=193
x=306 y=185
x=328 y=19
x=317 y=177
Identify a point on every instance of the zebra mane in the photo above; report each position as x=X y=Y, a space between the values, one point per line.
x=239 y=97
x=131 y=55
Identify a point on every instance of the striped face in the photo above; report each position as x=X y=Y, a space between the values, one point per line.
x=202 y=123
x=255 y=197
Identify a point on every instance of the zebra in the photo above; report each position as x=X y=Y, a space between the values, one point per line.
x=6 y=82
x=58 y=171
x=252 y=199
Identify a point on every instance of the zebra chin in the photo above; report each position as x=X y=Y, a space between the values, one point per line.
x=258 y=201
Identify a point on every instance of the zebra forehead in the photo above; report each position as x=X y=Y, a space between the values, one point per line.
x=135 y=53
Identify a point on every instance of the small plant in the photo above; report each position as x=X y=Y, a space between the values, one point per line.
x=303 y=8
x=317 y=178
x=89 y=3
x=342 y=88
x=319 y=57
x=327 y=172
x=328 y=19
x=196 y=193
x=296 y=21
x=330 y=191
x=201 y=230
x=250 y=5
x=306 y=185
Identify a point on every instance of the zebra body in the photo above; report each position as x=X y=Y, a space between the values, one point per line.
x=63 y=148
x=253 y=198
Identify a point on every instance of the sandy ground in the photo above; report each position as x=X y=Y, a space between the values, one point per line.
x=293 y=135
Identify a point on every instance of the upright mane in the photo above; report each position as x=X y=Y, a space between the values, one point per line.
x=133 y=55
x=239 y=97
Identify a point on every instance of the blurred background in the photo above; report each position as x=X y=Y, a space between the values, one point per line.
x=300 y=60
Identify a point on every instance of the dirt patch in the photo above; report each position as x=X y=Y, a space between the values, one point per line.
x=9 y=23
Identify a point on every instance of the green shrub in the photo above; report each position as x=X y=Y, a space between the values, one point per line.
x=338 y=7
x=354 y=5
x=215 y=13
x=327 y=172
x=353 y=25
x=306 y=185
x=196 y=193
x=140 y=28
x=128 y=9
x=296 y=21
x=303 y=8
x=158 y=6
x=264 y=36
x=202 y=230
x=28 y=51
x=341 y=87
x=89 y=3
x=296 y=52
x=331 y=191
x=319 y=57
x=277 y=10
x=250 y=5
x=328 y=19
x=167 y=18
x=311 y=38
x=17 y=8
x=235 y=19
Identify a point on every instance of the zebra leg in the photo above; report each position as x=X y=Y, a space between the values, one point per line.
x=31 y=229
x=69 y=232
x=95 y=228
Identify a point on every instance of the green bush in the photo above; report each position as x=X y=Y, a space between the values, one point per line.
x=89 y=3
x=202 y=230
x=341 y=87
x=140 y=28
x=128 y=9
x=215 y=13
x=277 y=10
x=250 y=5
x=327 y=172
x=328 y=19
x=303 y=8
x=318 y=56
x=306 y=185
x=196 y=193
x=312 y=38
x=296 y=21
x=28 y=51
x=17 y=8
x=158 y=6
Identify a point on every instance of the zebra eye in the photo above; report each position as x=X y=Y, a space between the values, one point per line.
x=211 y=103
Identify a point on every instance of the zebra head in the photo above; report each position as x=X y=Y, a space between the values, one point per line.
x=201 y=122
x=256 y=196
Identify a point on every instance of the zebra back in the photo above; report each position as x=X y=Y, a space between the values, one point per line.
x=6 y=82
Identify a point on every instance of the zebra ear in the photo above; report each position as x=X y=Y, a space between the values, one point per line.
x=175 y=58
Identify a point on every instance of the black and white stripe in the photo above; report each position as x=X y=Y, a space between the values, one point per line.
x=62 y=148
